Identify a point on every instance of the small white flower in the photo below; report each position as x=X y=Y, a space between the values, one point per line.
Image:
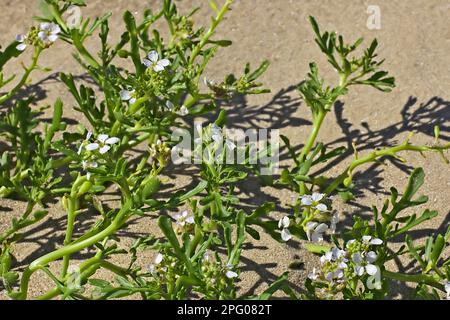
x=22 y=45
x=283 y=224
x=315 y=231
x=127 y=95
x=183 y=111
x=48 y=32
x=154 y=62
x=183 y=218
x=369 y=241
x=447 y=289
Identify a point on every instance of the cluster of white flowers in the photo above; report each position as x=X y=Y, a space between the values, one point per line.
x=338 y=265
x=154 y=62
x=213 y=133
x=334 y=264
x=48 y=33
x=102 y=144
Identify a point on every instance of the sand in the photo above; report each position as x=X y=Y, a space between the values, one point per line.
x=415 y=40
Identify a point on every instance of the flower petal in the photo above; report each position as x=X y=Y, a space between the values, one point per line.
x=112 y=140
x=125 y=95
x=371 y=269
x=231 y=274
x=286 y=235
x=371 y=257
x=53 y=37
x=147 y=63
x=153 y=56
x=316 y=197
x=164 y=62
x=102 y=137
x=159 y=258
x=21 y=46
x=104 y=149
x=158 y=68
x=376 y=241
x=321 y=207
x=92 y=146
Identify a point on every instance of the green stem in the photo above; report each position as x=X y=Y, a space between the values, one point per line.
x=23 y=80
x=417 y=278
x=381 y=153
x=313 y=135
x=74 y=247
x=215 y=22
x=69 y=232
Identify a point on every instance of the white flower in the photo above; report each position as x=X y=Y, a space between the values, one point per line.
x=104 y=143
x=183 y=218
x=447 y=289
x=183 y=111
x=153 y=61
x=369 y=241
x=21 y=38
x=315 y=231
x=366 y=265
x=283 y=224
x=306 y=200
x=48 y=32
x=127 y=95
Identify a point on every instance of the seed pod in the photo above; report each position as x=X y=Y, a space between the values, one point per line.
x=149 y=187
x=84 y=188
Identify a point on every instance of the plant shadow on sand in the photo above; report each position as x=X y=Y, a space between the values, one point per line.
x=278 y=113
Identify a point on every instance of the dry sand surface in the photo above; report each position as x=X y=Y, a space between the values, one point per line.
x=415 y=40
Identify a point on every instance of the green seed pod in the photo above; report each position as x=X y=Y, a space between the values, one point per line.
x=123 y=53
x=84 y=188
x=348 y=181
x=149 y=186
